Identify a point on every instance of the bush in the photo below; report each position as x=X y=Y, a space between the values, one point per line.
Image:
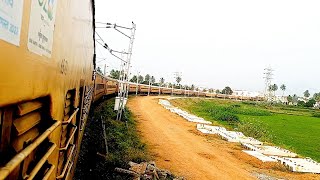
x=235 y=105
x=252 y=111
x=256 y=129
x=301 y=103
x=310 y=103
x=223 y=114
x=226 y=116
x=249 y=103
x=317 y=115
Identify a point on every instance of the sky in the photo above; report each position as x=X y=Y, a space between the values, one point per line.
x=218 y=43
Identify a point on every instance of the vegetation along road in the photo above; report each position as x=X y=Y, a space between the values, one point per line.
x=294 y=128
x=176 y=145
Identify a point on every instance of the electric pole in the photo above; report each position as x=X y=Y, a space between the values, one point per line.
x=138 y=74
x=124 y=82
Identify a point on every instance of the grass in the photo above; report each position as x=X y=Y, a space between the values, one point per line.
x=124 y=144
x=294 y=128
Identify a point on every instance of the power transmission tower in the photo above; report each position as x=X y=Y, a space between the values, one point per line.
x=268 y=76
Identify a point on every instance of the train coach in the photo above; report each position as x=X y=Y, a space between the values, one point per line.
x=133 y=88
x=47 y=82
x=155 y=90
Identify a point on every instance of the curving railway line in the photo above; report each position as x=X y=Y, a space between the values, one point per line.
x=48 y=83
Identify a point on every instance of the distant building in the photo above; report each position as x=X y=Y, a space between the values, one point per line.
x=282 y=99
x=302 y=99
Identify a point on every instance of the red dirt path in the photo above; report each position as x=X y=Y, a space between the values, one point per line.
x=177 y=146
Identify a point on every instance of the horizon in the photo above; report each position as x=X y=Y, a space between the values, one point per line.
x=217 y=44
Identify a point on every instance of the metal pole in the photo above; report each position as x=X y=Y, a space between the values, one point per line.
x=124 y=94
x=149 y=88
x=137 y=83
x=172 y=89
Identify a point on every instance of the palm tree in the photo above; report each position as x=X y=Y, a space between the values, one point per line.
x=306 y=94
x=146 y=79
x=178 y=79
x=273 y=88
x=161 y=81
x=192 y=87
x=283 y=88
x=140 y=79
x=152 y=80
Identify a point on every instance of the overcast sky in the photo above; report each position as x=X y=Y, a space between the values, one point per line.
x=218 y=43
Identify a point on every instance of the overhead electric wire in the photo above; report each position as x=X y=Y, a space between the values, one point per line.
x=105 y=59
x=122 y=33
x=108 y=48
x=115 y=25
x=99 y=36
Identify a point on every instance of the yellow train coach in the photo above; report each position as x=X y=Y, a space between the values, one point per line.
x=111 y=86
x=133 y=88
x=46 y=85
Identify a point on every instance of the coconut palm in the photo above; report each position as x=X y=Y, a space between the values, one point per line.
x=283 y=88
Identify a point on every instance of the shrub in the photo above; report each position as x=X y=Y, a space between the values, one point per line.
x=316 y=115
x=310 y=103
x=249 y=103
x=301 y=103
x=226 y=116
x=255 y=129
x=223 y=114
x=252 y=111
x=235 y=105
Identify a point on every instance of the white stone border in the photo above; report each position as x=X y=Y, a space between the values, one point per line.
x=256 y=148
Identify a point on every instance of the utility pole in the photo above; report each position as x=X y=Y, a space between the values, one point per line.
x=105 y=69
x=138 y=74
x=124 y=85
x=123 y=81
x=149 y=87
x=172 y=89
x=160 y=84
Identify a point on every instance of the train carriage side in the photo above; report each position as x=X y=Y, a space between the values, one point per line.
x=133 y=87
x=166 y=90
x=202 y=94
x=143 y=88
x=111 y=86
x=100 y=86
x=177 y=91
x=155 y=89
x=46 y=78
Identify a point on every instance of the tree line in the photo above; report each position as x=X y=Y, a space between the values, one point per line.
x=150 y=79
x=294 y=99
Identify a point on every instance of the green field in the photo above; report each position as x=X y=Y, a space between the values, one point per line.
x=294 y=128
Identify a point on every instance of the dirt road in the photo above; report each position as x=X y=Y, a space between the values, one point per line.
x=178 y=147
